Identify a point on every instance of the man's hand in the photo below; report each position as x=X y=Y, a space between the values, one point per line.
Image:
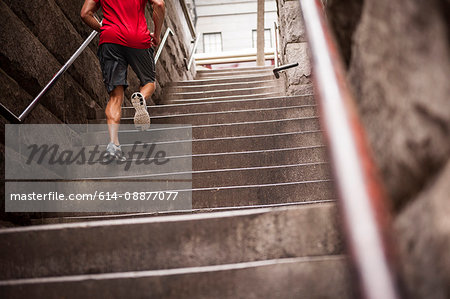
x=156 y=39
x=159 y=10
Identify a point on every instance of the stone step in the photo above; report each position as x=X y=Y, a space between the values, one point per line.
x=212 y=161
x=311 y=277
x=167 y=242
x=243 y=144
x=269 y=94
x=235 y=70
x=208 y=178
x=219 y=106
x=205 y=118
x=207 y=197
x=258 y=158
x=225 y=92
x=59 y=218
x=249 y=78
x=210 y=74
x=248 y=128
x=222 y=86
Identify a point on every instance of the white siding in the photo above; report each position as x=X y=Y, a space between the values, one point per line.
x=235 y=19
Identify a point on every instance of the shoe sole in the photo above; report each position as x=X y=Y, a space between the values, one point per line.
x=110 y=157
x=141 y=116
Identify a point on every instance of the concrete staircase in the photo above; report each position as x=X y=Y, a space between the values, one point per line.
x=263 y=224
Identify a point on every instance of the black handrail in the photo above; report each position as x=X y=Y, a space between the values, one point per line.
x=282 y=68
x=362 y=201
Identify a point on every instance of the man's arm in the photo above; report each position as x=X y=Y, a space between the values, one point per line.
x=159 y=10
x=87 y=14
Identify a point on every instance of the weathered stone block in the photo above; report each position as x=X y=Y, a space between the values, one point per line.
x=72 y=11
x=56 y=33
x=16 y=100
x=298 y=52
x=293 y=46
x=27 y=61
x=301 y=89
x=291 y=23
x=423 y=234
x=399 y=71
x=344 y=17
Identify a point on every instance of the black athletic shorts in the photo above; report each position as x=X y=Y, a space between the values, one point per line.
x=114 y=61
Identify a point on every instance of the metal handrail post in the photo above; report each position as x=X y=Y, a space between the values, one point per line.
x=56 y=76
x=188 y=18
x=361 y=197
x=191 y=58
x=163 y=42
x=276 y=44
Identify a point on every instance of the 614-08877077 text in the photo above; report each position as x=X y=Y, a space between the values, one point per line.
x=104 y=196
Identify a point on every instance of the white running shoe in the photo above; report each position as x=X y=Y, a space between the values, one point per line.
x=115 y=152
x=141 y=117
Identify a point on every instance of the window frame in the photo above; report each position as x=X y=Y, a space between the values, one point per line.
x=212 y=34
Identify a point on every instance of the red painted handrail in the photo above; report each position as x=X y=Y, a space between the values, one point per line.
x=362 y=201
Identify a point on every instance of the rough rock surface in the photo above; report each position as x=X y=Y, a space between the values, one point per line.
x=423 y=231
x=26 y=60
x=299 y=76
x=344 y=17
x=398 y=59
x=293 y=46
x=399 y=71
x=17 y=99
x=171 y=66
x=399 y=67
x=47 y=22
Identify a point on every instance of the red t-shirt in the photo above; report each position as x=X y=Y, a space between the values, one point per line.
x=124 y=23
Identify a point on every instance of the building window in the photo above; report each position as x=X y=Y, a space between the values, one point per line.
x=267 y=38
x=212 y=42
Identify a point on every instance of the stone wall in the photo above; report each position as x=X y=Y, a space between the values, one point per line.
x=398 y=59
x=294 y=47
x=344 y=16
x=171 y=66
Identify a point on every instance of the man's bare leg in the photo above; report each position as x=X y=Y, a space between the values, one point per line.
x=114 y=112
x=147 y=90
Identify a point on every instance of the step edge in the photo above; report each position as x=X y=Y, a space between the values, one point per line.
x=224 y=112
x=222 y=90
x=225 y=101
x=199 y=210
x=224 y=84
x=196 y=172
x=227 y=97
x=224 y=138
x=162 y=219
x=176 y=271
